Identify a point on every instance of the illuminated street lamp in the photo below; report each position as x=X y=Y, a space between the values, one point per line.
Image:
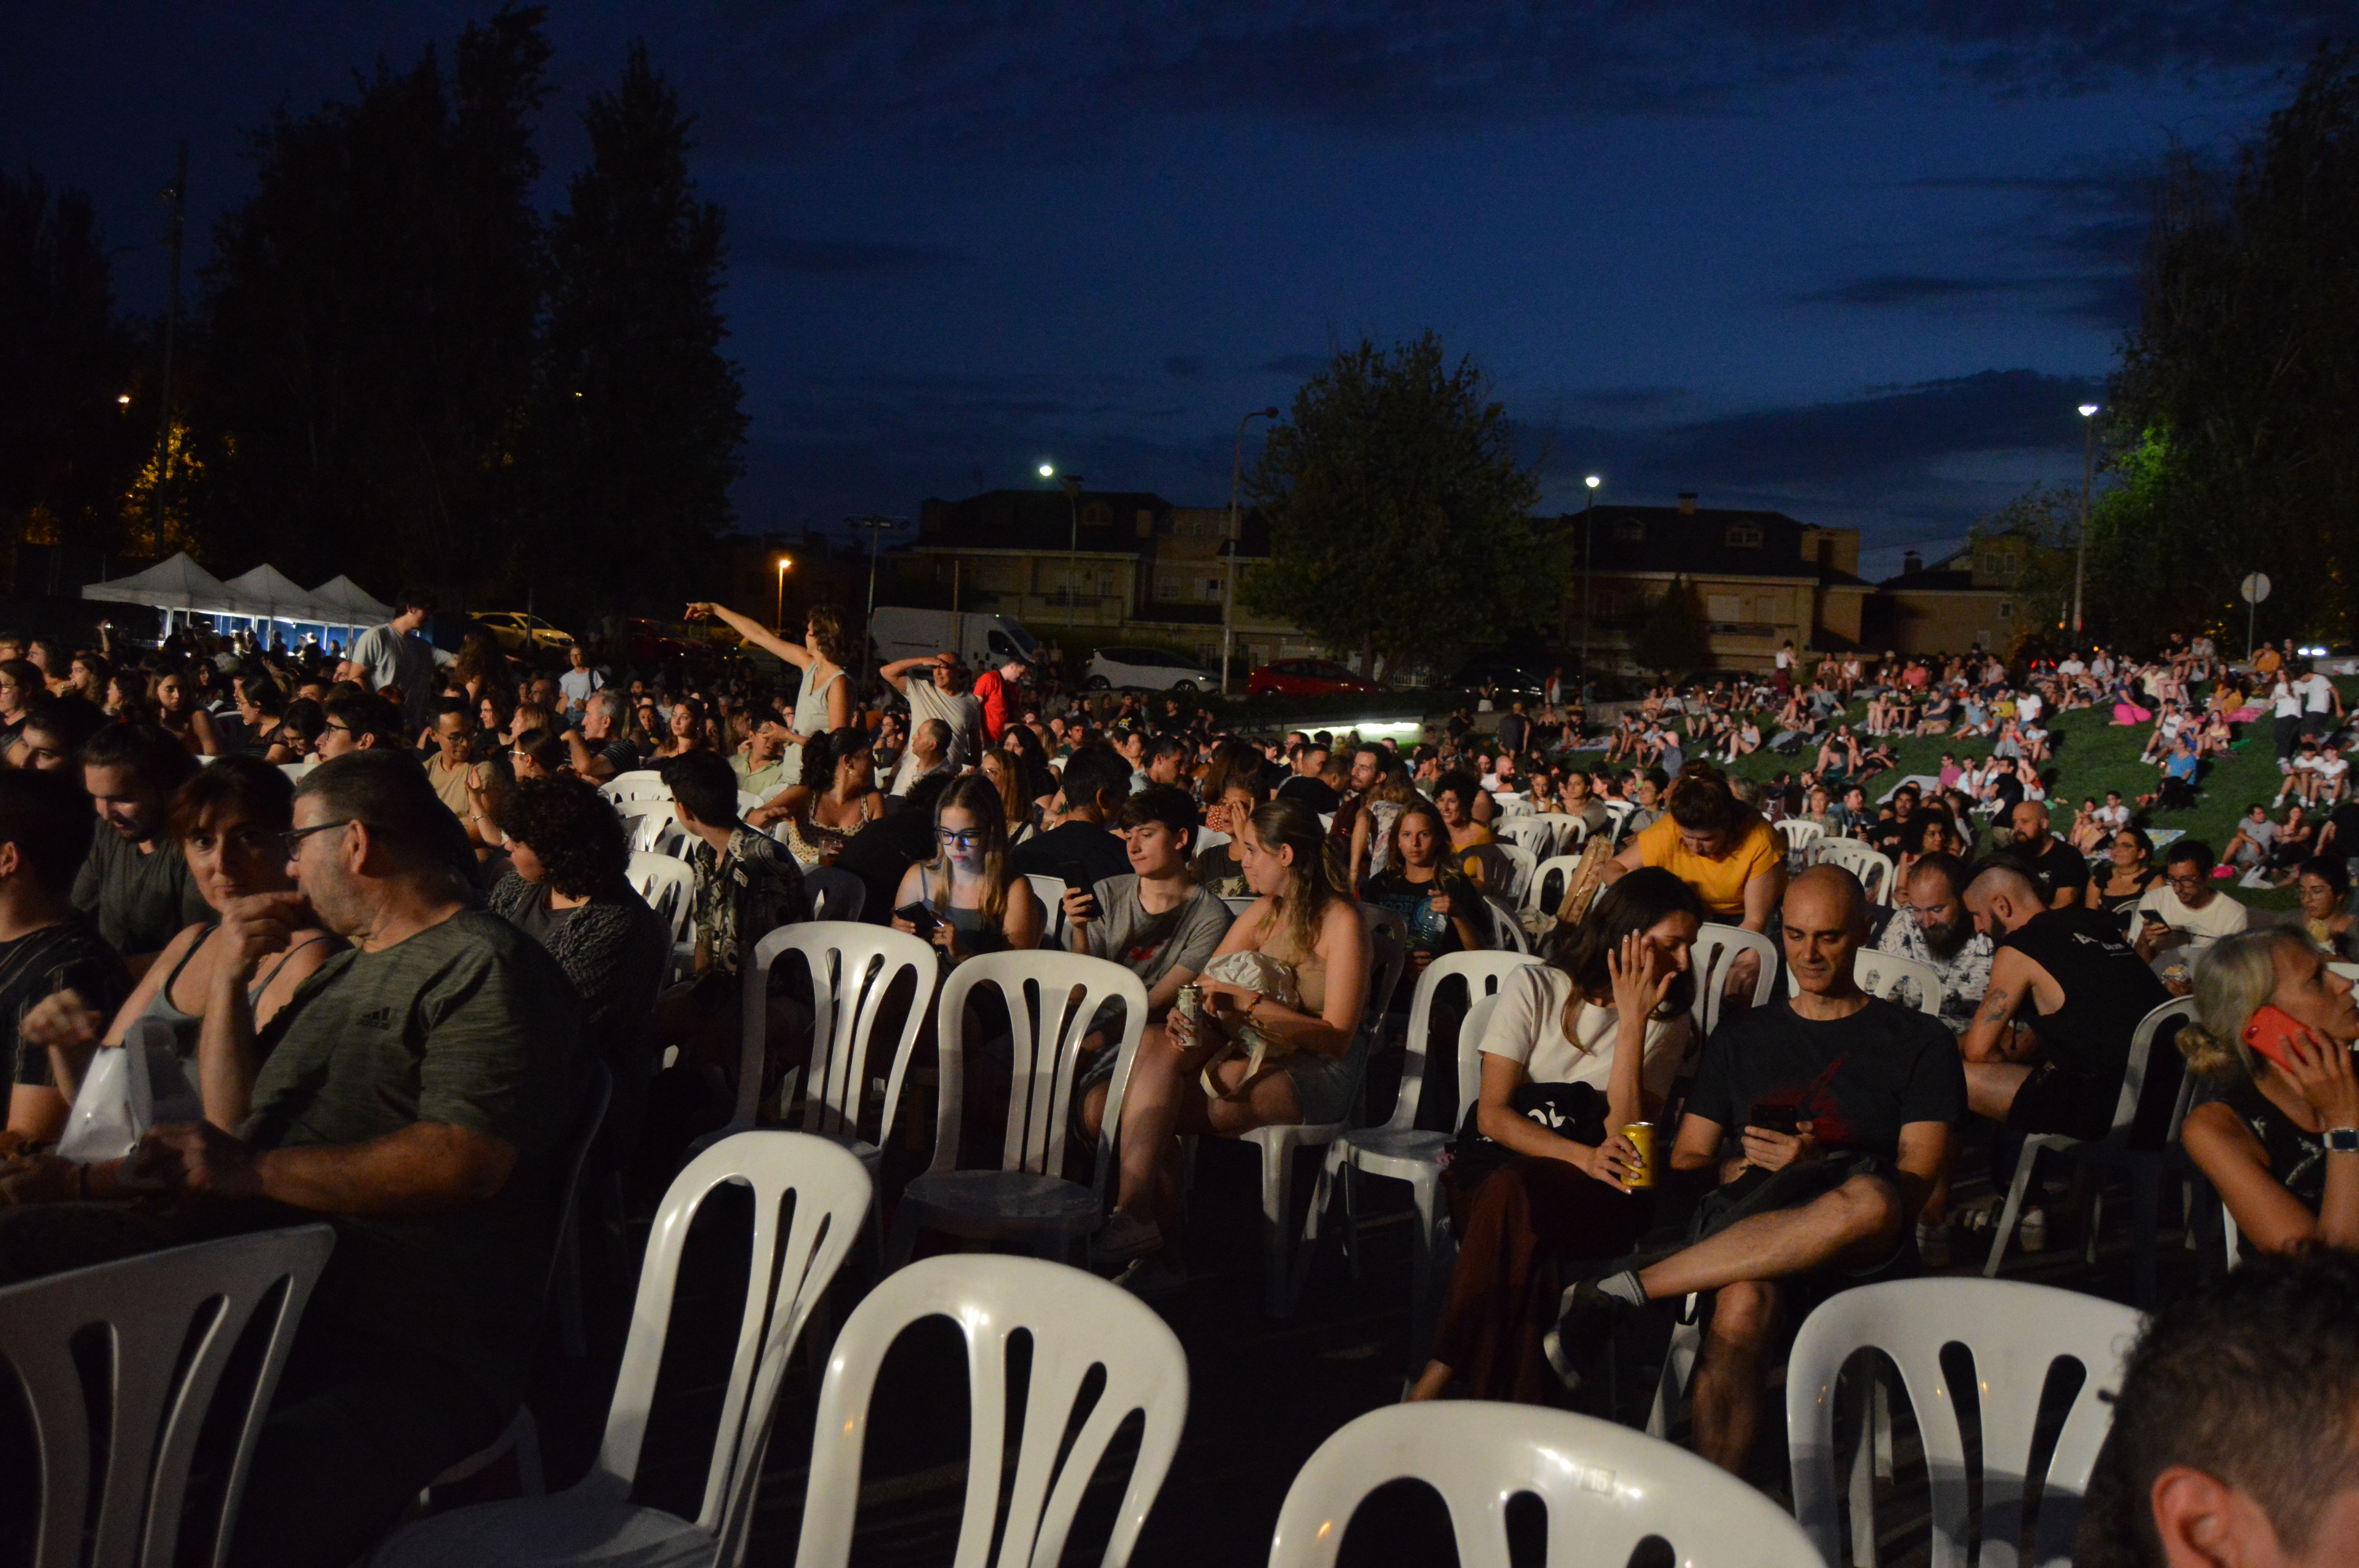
x=1072 y=486
x=2088 y=471
x=779 y=621
x=1229 y=579
x=1588 y=526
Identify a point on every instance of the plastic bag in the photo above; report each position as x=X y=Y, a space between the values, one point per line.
x=127 y=1091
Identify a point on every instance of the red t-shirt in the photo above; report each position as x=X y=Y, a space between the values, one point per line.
x=998 y=698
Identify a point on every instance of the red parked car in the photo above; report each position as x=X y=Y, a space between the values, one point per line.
x=1306 y=677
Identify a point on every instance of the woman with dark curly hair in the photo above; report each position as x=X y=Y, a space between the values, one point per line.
x=565 y=889
x=825 y=704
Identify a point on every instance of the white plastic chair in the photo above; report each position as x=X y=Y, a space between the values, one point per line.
x=1078 y=1324
x=1403 y=1151
x=2145 y=1165
x=1050 y=891
x=640 y=785
x=655 y=830
x=1536 y=895
x=835 y=894
x=1716 y=947
x=1507 y=931
x=1276 y=1144
x=166 y=1375
x=747 y=800
x=1391 y=921
x=1025 y=1197
x=1570 y=832
x=1871 y=865
x=1508 y=867
x=2015 y=1333
x=1238 y=907
x=1801 y=835
x=669 y=888
x=853 y=967
x=1606 y=1489
x=1206 y=839
x=1893 y=977
x=809 y=1198
x=1536 y=835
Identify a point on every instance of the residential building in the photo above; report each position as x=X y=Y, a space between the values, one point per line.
x=1763 y=579
x=1960 y=601
x=1098 y=569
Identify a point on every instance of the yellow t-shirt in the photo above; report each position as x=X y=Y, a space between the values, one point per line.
x=1719 y=883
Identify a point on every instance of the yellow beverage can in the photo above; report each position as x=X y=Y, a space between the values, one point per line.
x=1641 y=1135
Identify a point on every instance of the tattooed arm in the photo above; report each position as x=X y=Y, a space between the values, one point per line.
x=1995 y=1035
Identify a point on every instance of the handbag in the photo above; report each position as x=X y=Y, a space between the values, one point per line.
x=1576 y=1111
x=129 y=1089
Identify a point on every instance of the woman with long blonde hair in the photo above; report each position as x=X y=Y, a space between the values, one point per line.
x=1277 y=1040
x=972 y=902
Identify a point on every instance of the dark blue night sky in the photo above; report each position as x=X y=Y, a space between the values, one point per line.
x=1857 y=263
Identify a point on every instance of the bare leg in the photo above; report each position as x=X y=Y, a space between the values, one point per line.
x=1991 y=1087
x=1150 y=1112
x=1726 y=1390
x=1858 y=1220
x=1430 y=1383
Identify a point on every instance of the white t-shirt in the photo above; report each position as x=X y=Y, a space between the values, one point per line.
x=2330 y=771
x=2224 y=916
x=2317 y=692
x=1527 y=1026
x=2028 y=707
x=2285 y=701
x=2071 y=667
x=577 y=685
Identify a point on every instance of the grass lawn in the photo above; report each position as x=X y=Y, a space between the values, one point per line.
x=2092 y=755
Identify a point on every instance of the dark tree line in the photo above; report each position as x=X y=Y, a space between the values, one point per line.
x=398 y=368
x=2234 y=413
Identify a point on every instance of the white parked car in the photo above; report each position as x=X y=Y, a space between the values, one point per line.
x=1147 y=669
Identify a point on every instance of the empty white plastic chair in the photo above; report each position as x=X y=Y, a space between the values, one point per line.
x=1051 y=998
x=1206 y=839
x=1277 y=1145
x=669 y=888
x=1871 y=865
x=1508 y=869
x=852 y=967
x=1801 y=836
x=1403 y=1151
x=1893 y=977
x=2145 y=1165
x=2015 y=1333
x=654 y=830
x=808 y=1199
x=747 y=800
x=835 y=894
x=1078 y=1324
x=1716 y=947
x=1605 y=1488
x=640 y=785
x=1541 y=898
x=154 y=1399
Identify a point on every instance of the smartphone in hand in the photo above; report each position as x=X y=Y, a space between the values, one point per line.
x=1785 y=1119
x=918 y=915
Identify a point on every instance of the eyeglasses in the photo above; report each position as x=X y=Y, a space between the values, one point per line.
x=965 y=839
x=292 y=842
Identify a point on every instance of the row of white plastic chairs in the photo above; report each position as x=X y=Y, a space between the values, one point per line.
x=1604 y=1489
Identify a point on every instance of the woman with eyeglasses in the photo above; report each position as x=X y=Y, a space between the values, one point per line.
x=968 y=900
x=231 y=821
x=538 y=754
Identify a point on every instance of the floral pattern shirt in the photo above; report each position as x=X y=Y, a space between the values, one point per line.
x=742 y=895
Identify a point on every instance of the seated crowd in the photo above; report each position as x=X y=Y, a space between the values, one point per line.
x=389 y=922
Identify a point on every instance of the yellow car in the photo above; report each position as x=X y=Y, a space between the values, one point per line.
x=517 y=631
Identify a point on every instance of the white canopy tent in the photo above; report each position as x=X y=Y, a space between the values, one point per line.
x=269 y=594
x=352 y=605
x=266 y=594
x=177 y=584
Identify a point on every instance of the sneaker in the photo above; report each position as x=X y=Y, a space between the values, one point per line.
x=1583 y=1335
x=1933 y=1244
x=1124 y=1235
x=1150 y=1279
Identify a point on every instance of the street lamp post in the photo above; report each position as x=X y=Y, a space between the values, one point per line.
x=876 y=526
x=778 y=618
x=1229 y=579
x=1072 y=486
x=1588 y=533
x=2088 y=473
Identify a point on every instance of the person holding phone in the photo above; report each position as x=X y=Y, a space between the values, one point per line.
x=2277 y=1131
x=965 y=900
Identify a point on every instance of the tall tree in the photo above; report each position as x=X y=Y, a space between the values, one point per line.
x=1673 y=639
x=1399 y=523
x=370 y=326
x=68 y=447
x=2241 y=386
x=641 y=420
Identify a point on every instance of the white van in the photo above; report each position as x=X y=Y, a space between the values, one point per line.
x=982 y=642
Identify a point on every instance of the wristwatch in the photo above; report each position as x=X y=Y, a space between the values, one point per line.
x=2343 y=1140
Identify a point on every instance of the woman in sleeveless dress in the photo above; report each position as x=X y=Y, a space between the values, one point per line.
x=835 y=797
x=1304 y=925
x=824 y=702
x=229 y=820
x=976 y=903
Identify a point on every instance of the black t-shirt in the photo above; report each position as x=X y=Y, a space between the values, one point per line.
x=67 y=956
x=1886 y=834
x=1313 y=793
x=1083 y=853
x=1858 y=1080
x=2107 y=989
x=881 y=854
x=2058 y=867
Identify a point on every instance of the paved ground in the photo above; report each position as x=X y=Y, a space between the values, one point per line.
x=1263 y=1396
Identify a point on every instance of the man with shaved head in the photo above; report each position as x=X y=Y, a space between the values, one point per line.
x=1824 y=1117
x=2047 y=1047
